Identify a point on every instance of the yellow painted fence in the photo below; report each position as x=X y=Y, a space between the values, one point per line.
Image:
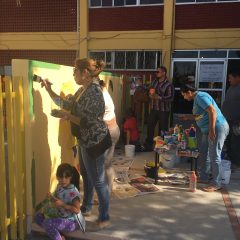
x=12 y=161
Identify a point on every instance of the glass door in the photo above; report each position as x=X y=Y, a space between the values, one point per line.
x=183 y=70
x=212 y=78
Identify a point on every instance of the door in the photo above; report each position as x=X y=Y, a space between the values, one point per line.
x=212 y=78
x=183 y=70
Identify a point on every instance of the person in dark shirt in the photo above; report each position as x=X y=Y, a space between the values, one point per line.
x=231 y=112
x=161 y=96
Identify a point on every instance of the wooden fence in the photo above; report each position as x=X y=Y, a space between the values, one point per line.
x=12 y=161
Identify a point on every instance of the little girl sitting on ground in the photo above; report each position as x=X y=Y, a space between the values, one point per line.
x=60 y=208
x=131 y=131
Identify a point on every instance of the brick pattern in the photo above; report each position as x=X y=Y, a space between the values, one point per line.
x=207 y=16
x=126 y=18
x=38 y=16
x=52 y=56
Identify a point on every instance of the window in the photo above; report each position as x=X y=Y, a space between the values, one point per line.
x=213 y=54
x=204 y=1
x=130 y=2
x=130 y=60
x=150 y=60
x=151 y=1
x=95 y=3
x=107 y=3
x=184 y=1
x=119 y=3
x=97 y=55
x=234 y=54
x=185 y=54
x=227 y=1
x=140 y=60
x=108 y=60
x=119 y=61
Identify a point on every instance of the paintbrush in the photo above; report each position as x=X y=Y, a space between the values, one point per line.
x=39 y=79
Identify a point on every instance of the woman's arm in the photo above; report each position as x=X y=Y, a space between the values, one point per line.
x=59 y=101
x=47 y=85
x=212 y=121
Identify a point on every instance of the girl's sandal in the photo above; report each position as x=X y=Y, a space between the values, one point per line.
x=211 y=189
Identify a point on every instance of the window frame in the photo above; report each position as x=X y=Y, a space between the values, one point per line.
x=158 y=55
x=213 y=2
x=125 y=5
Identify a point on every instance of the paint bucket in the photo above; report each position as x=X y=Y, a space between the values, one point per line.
x=129 y=150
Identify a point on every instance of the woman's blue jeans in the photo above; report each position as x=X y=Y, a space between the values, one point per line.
x=93 y=174
x=210 y=155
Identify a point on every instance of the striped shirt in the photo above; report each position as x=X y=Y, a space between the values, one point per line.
x=165 y=91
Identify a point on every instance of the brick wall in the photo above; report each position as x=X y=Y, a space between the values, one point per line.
x=38 y=16
x=58 y=57
x=126 y=18
x=205 y=16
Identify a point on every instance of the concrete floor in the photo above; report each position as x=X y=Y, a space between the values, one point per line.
x=173 y=213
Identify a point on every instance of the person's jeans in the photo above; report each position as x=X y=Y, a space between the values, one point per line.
x=93 y=174
x=210 y=155
x=110 y=173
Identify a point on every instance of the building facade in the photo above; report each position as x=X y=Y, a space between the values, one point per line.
x=197 y=39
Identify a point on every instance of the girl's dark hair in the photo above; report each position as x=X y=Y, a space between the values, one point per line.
x=67 y=170
x=187 y=87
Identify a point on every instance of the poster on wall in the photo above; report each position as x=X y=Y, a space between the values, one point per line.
x=211 y=72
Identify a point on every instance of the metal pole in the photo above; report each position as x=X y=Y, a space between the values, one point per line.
x=78 y=29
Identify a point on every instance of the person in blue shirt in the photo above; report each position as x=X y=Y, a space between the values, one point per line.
x=214 y=129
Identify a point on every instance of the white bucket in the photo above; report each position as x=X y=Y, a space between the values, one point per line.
x=129 y=150
x=226 y=176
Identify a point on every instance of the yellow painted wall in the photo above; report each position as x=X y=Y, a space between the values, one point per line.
x=48 y=140
x=39 y=41
x=184 y=39
x=207 y=39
